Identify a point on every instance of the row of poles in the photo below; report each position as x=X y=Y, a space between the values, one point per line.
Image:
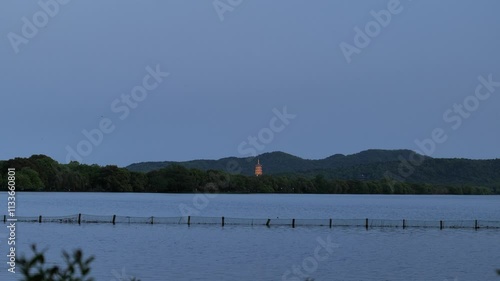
x=268 y=223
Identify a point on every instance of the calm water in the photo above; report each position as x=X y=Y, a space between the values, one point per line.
x=171 y=252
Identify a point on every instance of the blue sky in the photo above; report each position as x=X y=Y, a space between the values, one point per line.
x=227 y=76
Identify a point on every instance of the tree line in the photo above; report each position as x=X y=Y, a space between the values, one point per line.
x=41 y=173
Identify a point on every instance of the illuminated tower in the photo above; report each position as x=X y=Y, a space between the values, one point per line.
x=258 y=169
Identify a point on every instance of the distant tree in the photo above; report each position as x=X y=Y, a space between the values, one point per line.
x=28 y=179
x=174 y=178
x=88 y=175
x=157 y=182
x=321 y=183
x=138 y=181
x=50 y=171
x=112 y=178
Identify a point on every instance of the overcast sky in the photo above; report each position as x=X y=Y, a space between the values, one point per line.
x=232 y=64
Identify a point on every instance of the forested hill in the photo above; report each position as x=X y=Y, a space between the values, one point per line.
x=280 y=162
x=367 y=165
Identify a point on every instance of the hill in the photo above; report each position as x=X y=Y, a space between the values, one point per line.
x=280 y=162
x=371 y=164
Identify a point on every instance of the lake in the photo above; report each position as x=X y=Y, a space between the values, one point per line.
x=209 y=252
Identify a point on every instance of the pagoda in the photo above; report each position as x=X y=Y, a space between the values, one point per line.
x=258 y=168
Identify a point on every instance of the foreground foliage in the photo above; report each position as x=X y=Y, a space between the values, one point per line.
x=77 y=268
x=41 y=173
